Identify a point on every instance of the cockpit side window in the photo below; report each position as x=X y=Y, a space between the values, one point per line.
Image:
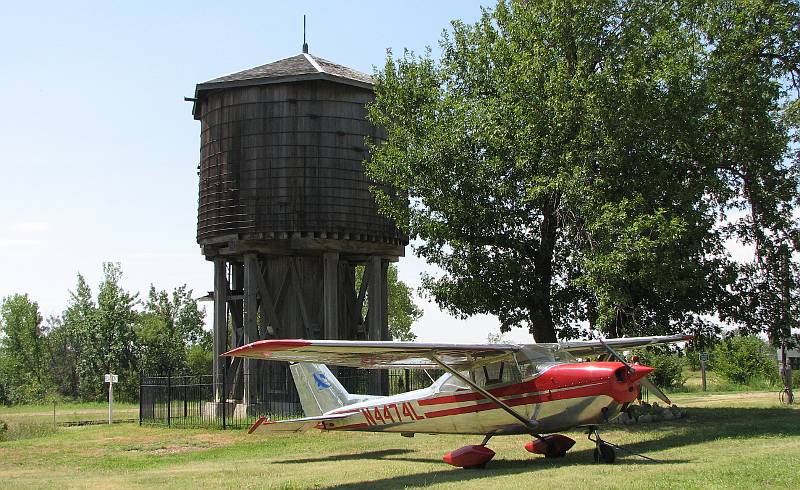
x=498 y=373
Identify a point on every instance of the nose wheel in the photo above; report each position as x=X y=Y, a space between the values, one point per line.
x=604 y=451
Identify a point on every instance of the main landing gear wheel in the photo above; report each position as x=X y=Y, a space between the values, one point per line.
x=604 y=453
x=552 y=452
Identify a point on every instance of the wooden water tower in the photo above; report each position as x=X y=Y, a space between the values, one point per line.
x=285 y=212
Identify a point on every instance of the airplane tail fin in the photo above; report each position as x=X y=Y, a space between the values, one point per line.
x=319 y=390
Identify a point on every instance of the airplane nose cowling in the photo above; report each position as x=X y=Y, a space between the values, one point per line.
x=639 y=372
x=625 y=386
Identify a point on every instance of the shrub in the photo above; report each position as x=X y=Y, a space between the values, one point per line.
x=668 y=368
x=745 y=359
x=199 y=360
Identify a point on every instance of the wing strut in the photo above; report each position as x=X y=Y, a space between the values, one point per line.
x=531 y=425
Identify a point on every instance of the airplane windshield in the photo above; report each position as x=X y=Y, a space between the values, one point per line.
x=535 y=359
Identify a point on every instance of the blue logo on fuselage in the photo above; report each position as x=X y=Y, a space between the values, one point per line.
x=322 y=383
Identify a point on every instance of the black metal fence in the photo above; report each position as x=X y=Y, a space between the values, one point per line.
x=191 y=400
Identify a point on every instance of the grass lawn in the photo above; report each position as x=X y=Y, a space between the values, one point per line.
x=67 y=412
x=728 y=440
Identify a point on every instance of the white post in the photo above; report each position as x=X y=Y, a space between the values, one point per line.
x=110 y=401
x=111 y=379
x=703 y=359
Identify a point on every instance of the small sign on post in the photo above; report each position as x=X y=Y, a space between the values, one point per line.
x=703 y=361
x=111 y=379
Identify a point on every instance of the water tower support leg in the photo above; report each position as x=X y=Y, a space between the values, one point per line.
x=220 y=343
x=377 y=314
x=251 y=271
x=330 y=291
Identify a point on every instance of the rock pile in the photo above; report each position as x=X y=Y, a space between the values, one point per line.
x=647 y=413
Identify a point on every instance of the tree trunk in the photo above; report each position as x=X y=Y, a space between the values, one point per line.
x=542 y=325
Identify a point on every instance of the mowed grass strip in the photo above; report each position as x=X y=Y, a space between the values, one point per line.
x=68 y=412
x=743 y=440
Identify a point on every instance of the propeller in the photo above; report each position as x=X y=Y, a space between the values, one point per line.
x=655 y=390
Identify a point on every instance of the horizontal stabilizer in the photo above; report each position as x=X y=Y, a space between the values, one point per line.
x=295 y=425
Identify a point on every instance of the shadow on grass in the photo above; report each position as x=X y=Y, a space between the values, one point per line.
x=344 y=457
x=702 y=425
x=495 y=468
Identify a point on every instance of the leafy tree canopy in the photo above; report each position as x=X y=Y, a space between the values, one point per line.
x=570 y=161
x=169 y=326
x=23 y=351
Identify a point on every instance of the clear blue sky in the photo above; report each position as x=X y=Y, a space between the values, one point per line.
x=99 y=151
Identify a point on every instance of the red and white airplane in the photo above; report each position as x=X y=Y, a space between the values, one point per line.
x=493 y=389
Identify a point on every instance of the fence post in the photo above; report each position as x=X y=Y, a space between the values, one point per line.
x=141 y=391
x=169 y=398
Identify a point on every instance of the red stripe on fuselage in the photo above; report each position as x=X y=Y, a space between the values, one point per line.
x=558 y=376
x=542 y=397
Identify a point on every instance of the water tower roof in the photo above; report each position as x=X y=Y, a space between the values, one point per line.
x=301 y=67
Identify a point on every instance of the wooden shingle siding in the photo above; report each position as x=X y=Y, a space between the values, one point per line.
x=287 y=158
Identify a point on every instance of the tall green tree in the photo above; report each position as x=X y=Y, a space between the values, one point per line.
x=63 y=348
x=168 y=328
x=78 y=324
x=754 y=78
x=558 y=167
x=23 y=351
x=103 y=334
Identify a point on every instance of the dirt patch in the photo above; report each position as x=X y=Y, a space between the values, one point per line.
x=176 y=449
x=184 y=446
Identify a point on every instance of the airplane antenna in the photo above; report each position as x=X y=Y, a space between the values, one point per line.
x=305 y=44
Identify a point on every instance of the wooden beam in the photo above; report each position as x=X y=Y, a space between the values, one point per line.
x=268 y=304
x=362 y=293
x=301 y=303
x=250 y=369
x=236 y=306
x=237 y=336
x=283 y=290
x=378 y=381
x=375 y=291
x=251 y=273
x=220 y=341
x=385 y=300
x=330 y=295
x=292 y=245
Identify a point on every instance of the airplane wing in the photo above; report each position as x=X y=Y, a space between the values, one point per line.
x=588 y=347
x=295 y=425
x=375 y=354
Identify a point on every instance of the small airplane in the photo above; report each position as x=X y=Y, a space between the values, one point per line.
x=489 y=390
